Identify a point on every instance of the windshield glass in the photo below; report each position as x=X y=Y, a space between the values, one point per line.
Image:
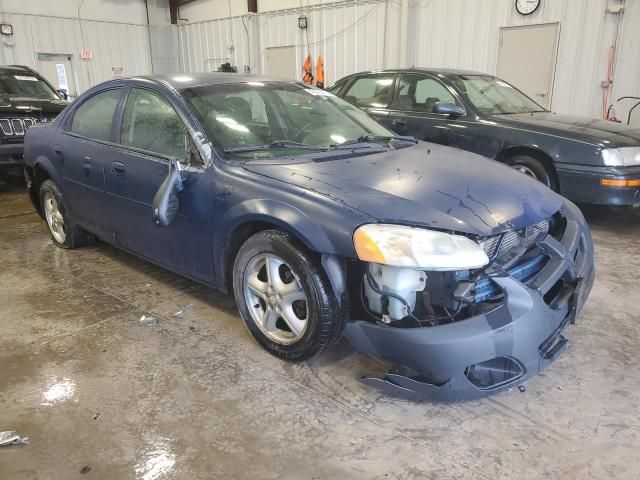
x=24 y=84
x=286 y=118
x=492 y=96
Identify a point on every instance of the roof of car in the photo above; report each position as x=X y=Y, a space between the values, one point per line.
x=443 y=71
x=180 y=81
x=20 y=68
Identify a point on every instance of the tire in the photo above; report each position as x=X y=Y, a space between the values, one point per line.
x=266 y=317
x=64 y=233
x=534 y=168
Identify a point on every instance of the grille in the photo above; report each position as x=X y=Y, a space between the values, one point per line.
x=18 y=126
x=5 y=126
x=525 y=237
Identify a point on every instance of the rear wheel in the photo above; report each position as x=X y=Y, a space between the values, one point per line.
x=64 y=232
x=534 y=168
x=284 y=297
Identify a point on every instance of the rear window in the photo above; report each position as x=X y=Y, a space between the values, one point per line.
x=94 y=117
x=370 y=91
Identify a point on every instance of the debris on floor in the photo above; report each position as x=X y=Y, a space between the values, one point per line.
x=521 y=388
x=148 y=285
x=12 y=438
x=97 y=416
x=183 y=310
x=84 y=470
x=148 y=320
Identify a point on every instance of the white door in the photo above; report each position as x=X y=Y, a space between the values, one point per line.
x=58 y=70
x=281 y=63
x=527 y=59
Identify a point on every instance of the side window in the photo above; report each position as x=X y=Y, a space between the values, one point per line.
x=150 y=123
x=94 y=117
x=371 y=91
x=421 y=93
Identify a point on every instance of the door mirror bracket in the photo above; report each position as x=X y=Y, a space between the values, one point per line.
x=166 y=204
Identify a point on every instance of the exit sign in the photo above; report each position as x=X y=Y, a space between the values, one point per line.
x=86 y=54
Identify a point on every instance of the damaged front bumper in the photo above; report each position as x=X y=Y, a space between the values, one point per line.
x=495 y=350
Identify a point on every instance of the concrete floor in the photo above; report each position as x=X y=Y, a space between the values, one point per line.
x=194 y=398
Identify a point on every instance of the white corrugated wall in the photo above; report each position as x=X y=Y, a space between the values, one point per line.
x=113 y=45
x=368 y=34
x=350 y=37
x=465 y=33
x=204 y=46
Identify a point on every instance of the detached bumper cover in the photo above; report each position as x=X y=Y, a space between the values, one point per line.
x=497 y=350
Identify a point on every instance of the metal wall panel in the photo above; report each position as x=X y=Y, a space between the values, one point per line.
x=113 y=45
x=363 y=35
x=465 y=34
x=349 y=36
x=204 y=46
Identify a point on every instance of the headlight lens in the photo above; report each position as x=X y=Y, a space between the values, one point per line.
x=621 y=157
x=403 y=246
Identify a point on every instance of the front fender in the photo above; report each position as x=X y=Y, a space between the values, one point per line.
x=321 y=237
x=285 y=216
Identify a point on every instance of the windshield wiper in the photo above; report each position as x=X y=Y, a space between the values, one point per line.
x=275 y=144
x=375 y=139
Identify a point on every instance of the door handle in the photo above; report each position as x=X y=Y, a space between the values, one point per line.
x=118 y=169
x=86 y=165
x=57 y=149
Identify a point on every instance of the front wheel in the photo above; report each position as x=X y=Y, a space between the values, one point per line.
x=534 y=168
x=284 y=297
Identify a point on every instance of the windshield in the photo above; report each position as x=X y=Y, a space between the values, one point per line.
x=281 y=117
x=492 y=96
x=24 y=84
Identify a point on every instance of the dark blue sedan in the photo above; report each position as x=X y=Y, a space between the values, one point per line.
x=460 y=271
x=585 y=159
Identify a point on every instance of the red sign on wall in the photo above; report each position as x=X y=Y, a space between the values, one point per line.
x=86 y=54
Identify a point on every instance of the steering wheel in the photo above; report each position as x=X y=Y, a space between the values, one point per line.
x=304 y=129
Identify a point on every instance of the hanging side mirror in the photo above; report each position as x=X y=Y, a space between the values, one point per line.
x=165 y=202
x=63 y=94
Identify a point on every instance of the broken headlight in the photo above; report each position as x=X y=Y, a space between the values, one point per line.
x=403 y=246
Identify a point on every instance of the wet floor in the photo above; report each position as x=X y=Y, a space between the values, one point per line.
x=192 y=397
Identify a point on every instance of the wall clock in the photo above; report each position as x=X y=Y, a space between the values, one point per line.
x=527 y=7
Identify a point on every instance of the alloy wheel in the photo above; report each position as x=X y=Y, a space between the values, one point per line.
x=54 y=217
x=526 y=170
x=276 y=299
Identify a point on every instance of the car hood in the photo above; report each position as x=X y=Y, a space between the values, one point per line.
x=426 y=184
x=590 y=130
x=30 y=105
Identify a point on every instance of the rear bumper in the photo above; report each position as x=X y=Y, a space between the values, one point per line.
x=582 y=184
x=11 y=154
x=445 y=363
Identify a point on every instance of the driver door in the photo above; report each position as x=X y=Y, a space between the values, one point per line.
x=150 y=133
x=413 y=111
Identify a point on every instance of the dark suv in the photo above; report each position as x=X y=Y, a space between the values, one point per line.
x=25 y=99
